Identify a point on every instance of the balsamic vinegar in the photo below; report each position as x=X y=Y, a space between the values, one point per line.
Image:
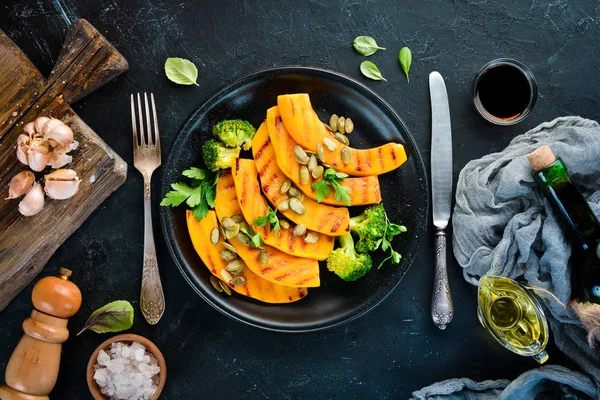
x=504 y=91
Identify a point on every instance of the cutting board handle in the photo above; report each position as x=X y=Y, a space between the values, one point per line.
x=86 y=62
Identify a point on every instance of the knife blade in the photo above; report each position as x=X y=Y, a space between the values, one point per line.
x=442 y=310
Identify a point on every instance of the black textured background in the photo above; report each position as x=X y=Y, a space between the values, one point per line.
x=391 y=351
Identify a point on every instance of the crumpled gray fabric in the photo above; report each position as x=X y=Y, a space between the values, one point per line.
x=503 y=226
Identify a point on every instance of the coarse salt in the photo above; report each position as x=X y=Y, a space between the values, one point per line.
x=126 y=372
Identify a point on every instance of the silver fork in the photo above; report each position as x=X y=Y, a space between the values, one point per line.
x=146 y=158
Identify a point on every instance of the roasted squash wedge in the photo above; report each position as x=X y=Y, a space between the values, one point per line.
x=363 y=190
x=254 y=205
x=304 y=126
x=255 y=287
x=281 y=268
x=333 y=221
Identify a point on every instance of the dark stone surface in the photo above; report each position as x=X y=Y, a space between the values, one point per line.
x=391 y=351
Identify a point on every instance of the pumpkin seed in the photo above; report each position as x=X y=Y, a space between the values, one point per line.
x=312 y=163
x=330 y=144
x=284 y=205
x=227 y=255
x=342 y=139
x=301 y=155
x=311 y=238
x=285 y=186
x=341 y=125
x=296 y=206
x=225 y=287
x=328 y=128
x=304 y=177
x=333 y=122
x=214 y=281
x=235 y=267
x=263 y=257
x=294 y=192
x=299 y=230
x=242 y=237
x=226 y=275
x=214 y=236
x=345 y=155
x=349 y=125
x=238 y=218
x=321 y=152
x=222 y=230
x=284 y=224
x=238 y=281
x=318 y=172
x=229 y=247
x=231 y=233
x=228 y=223
x=300 y=197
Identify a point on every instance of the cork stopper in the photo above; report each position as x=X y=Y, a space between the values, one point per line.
x=541 y=157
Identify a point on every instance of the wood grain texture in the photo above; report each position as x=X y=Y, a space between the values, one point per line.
x=86 y=62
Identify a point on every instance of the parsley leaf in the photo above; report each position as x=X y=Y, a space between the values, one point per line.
x=199 y=195
x=322 y=190
x=271 y=219
x=390 y=231
x=332 y=179
x=255 y=240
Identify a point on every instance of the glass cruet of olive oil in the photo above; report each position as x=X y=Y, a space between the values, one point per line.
x=513 y=316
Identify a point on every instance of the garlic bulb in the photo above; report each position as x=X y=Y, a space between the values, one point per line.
x=33 y=202
x=46 y=141
x=20 y=184
x=61 y=184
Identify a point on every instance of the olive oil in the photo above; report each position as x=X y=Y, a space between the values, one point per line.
x=513 y=316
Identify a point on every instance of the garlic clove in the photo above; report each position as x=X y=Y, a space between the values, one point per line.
x=58 y=133
x=29 y=129
x=22 y=146
x=20 y=184
x=59 y=158
x=33 y=202
x=40 y=123
x=61 y=184
x=38 y=156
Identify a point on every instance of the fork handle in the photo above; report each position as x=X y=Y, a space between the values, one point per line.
x=152 y=298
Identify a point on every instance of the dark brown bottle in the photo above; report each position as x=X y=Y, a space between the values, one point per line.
x=577 y=220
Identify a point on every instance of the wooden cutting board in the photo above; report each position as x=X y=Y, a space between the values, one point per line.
x=86 y=62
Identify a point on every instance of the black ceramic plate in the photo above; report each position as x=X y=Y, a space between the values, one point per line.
x=404 y=191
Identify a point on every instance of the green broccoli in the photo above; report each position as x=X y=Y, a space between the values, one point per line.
x=235 y=133
x=370 y=228
x=216 y=156
x=346 y=263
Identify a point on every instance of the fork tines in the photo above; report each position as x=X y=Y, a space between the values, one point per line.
x=149 y=137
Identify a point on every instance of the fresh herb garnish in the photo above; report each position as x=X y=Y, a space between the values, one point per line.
x=332 y=179
x=366 y=45
x=390 y=231
x=113 y=317
x=405 y=59
x=271 y=219
x=255 y=239
x=371 y=71
x=181 y=71
x=199 y=195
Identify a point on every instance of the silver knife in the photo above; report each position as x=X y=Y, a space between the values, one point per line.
x=441 y=196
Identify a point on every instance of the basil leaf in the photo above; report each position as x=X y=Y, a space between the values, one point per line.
x=371 y=71
x=181 y=71
x=113 y=317
x=366 y=45
x=405 y=58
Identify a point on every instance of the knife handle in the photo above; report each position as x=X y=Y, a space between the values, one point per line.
x=441 y=302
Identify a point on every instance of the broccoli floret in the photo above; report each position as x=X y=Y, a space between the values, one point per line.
x=346 y=263
x=370 y=228
x=216 y=156
x=235 y=133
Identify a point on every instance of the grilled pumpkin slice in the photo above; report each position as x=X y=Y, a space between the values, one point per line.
x=303 y=124
x=254 y=205
x=363 y=190
x=255 y=287
x=333 y=221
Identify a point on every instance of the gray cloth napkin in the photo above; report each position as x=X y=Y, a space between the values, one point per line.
x=503 y=226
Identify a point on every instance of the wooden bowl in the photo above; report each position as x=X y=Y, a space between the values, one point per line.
x=126 y=338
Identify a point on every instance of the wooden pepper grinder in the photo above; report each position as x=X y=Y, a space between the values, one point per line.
x=33 y=367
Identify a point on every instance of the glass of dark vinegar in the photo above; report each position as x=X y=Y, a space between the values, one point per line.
x=504 y=91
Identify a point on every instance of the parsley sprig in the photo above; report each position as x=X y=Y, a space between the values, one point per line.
x=385 y=242
x=198 y=194
x=271 y=219
x=255 y=239
x=332 y=179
